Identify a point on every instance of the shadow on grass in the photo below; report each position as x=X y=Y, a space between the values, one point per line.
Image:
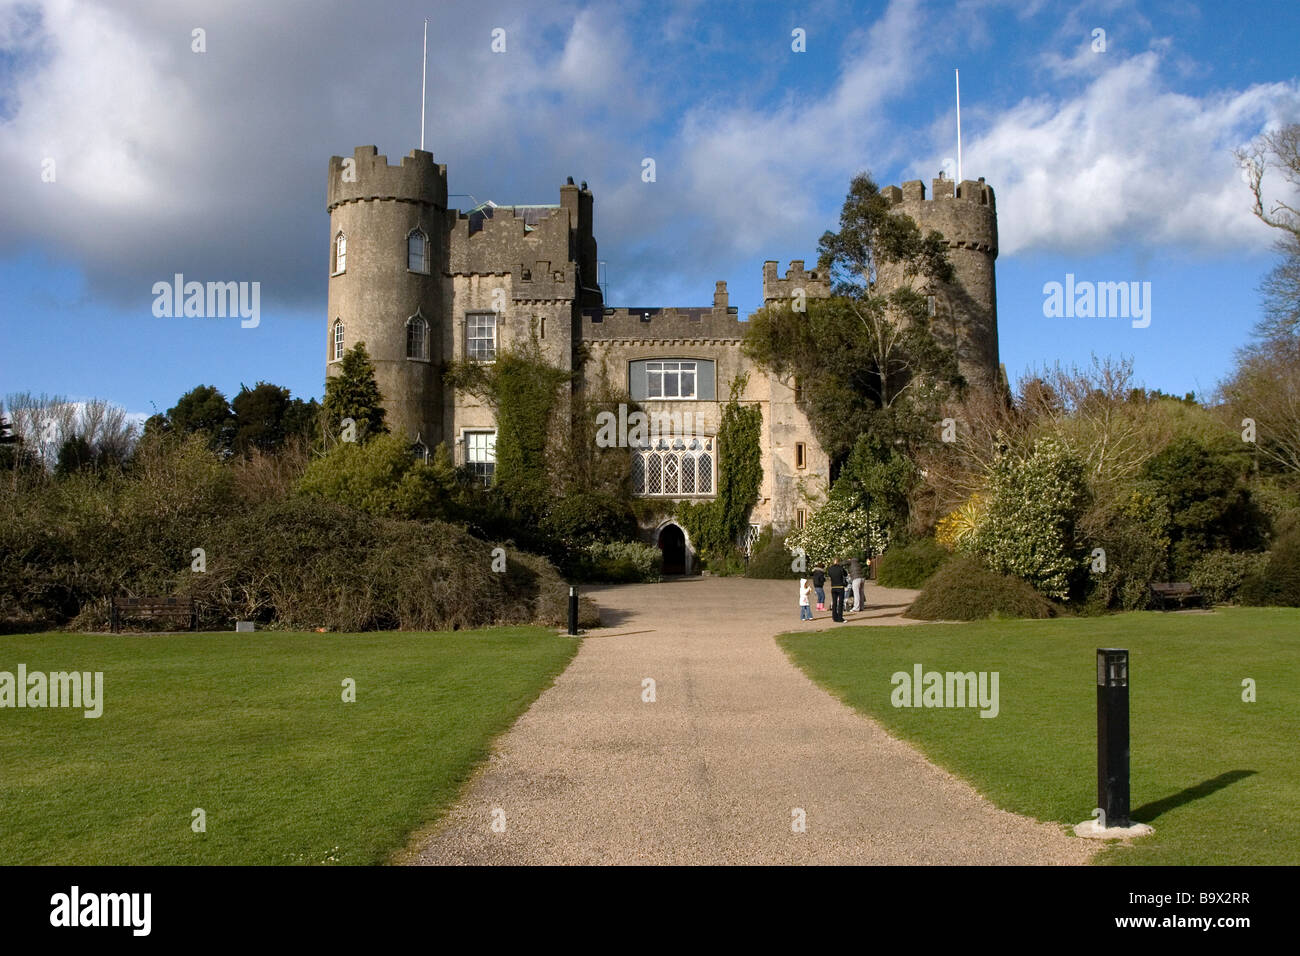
x=1151 y=811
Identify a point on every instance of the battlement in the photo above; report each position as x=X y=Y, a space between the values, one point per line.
x=719 y=321
x=966 y=212
x=366 y=175
x=814 y=284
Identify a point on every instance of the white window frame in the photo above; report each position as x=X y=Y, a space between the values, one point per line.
x=337 y=344
x=488 y=451
x=658 y=372
x=424 y=256
x=469 y=337
x=340 y=253
x=412 y=322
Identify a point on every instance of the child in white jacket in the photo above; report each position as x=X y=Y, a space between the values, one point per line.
x=805 y=600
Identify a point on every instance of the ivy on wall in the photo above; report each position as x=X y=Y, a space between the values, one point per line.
x=715 y=526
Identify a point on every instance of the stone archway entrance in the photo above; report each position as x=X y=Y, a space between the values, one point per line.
x=672 y=542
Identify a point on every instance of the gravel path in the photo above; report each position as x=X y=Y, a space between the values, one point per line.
x=713 y=771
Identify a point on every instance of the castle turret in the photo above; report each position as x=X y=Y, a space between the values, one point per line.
x=388 y=261
x=965 y=313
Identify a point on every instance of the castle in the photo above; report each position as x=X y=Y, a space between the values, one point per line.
x=421 y=283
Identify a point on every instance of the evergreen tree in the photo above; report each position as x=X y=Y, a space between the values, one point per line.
x=354 y=394
x=203 y=410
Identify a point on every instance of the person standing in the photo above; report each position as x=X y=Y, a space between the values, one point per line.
x=805 y=600
x=839 y=577
x=819 y=585
x=857 y=579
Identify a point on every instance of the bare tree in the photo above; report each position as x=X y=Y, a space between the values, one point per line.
x=1279 y=151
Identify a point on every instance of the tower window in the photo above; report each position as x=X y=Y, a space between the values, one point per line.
x=481 y=336
x=340 y=253
x=800 y=455
x=417 y=337
x=798 y=391
x=800 y=517
x=929 y=305
x=338 y=339
x=481 y=455
x=417 y=251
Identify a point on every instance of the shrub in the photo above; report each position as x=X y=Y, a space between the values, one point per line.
x=911 y=566
x=770 y=559
x=584 y=518
x=838 y=529
x=622 y=562
x=1219 y=575
x=1028 y=528
x=1275 y=580
x=964 y=589
x=1135 y=539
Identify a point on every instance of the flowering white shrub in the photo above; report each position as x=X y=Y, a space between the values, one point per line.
x=837 y=529
x=1027 y=528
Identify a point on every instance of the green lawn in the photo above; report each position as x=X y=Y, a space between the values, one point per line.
x=1218 y=778
x=253 y=730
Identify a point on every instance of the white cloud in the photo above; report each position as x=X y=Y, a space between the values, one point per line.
x=1127 y=161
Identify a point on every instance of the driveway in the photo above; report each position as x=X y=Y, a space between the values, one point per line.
x=737 y=747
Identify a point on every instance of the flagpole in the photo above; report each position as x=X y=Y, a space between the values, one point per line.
x=424 y=72
x=957 y=75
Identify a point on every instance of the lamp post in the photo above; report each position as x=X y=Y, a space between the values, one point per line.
x=1112 y=736
x=573 y=609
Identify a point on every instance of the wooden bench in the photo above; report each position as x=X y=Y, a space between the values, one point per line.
x=154 y=607
x=1174 y=592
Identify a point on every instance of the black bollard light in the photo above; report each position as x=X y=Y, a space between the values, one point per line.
x=1112 y=735
x=573 y=611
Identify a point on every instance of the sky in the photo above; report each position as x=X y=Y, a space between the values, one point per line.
x=132 y=156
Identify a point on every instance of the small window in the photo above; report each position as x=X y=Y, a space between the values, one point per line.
x=800 y=516
x=481 y=336
x=481 y=455
x=417 y=251
x=929 y=305
x=417 y=337
x=338 y=339
x=800 y=455
x=340 y=253
x=798 y=391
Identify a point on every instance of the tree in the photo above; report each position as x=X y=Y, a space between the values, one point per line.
x=266 y=417
x=1265 y=388
x=74 y=455
x=865 y=361
x=203 y=411
x=1209 y=504
x=354 y=394
x=1278 y=150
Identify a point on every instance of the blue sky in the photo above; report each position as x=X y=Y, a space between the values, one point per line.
x=1113 y=166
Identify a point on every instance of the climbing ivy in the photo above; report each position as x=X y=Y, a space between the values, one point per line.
x=715 y=526
x=523 y=387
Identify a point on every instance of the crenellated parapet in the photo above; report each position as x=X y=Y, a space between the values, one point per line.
x=366 y=175
x=814 y=285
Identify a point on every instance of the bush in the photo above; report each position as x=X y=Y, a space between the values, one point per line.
x=1275 y=580
x=964 y=589
x=771 y=560
x=1029 y=527
x=838 y=529
x=910 y=566
x=583 y=518
x=1134 y=537
x=1219 y=575
x=621 y=562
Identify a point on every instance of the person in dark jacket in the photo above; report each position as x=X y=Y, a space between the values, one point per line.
x=856 y=581
x=839 y=578
x=819 y=585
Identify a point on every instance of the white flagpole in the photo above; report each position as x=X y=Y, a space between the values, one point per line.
x=424 y=71
x=957 y=74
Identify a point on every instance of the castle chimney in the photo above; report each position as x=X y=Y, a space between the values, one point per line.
x=720 y=297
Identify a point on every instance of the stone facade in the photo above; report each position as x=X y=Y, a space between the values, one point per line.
x=421 y=283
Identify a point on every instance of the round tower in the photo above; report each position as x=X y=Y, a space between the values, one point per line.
x=387 y=260
x=965 y=315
